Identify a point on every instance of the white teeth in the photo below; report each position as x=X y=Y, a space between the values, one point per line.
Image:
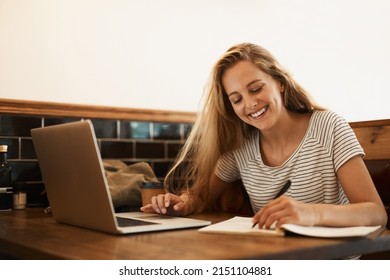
x=259 y=113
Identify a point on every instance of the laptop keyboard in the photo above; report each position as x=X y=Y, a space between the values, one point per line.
x=128 y=222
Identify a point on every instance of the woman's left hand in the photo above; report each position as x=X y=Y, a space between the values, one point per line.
x=284 y=210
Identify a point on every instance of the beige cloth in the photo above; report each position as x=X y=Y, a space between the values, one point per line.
x=124 y=181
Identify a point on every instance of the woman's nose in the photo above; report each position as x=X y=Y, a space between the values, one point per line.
x=251 y=104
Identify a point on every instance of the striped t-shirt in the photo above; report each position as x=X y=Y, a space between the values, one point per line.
x=328 y=143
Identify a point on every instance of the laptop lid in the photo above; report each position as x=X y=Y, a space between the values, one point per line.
x=76 y=185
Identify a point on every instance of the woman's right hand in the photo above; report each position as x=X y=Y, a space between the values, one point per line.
x=168 y=204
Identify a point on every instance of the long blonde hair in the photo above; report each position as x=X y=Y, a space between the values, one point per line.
x=217 y=129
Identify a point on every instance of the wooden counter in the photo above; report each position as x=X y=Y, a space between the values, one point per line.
x=32 y=234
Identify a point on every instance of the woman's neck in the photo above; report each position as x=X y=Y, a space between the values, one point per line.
x=279 y=143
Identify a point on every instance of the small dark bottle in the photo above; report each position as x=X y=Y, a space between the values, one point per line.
x=5 y=180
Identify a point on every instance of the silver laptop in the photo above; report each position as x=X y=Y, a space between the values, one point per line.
x=77 y=187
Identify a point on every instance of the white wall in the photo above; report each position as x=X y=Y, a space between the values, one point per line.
x=158 y=53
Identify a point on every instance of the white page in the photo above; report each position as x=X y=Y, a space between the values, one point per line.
x=239 y=225
x=318 y=231
x=243 y=225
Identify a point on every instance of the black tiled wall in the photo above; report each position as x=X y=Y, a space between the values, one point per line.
x=128 y=141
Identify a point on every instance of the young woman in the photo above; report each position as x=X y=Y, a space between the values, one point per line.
x=260 y=127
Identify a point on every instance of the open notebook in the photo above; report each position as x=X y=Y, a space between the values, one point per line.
x=243 y=225
x=77 y=187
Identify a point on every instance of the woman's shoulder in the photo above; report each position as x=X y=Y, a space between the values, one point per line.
x=325 y=114
x=327 y=117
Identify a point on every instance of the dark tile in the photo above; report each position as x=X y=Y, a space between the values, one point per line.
x=173 y=149
x=25 y=171
x=135 y=130
x=13 y=147
x=54 y=121
x=149 y=150
x=166 y=131
x=18 y=126
x=27 y=150
x=116 y=149
x=105 y=128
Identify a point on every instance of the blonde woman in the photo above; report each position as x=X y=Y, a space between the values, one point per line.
x=260 y=127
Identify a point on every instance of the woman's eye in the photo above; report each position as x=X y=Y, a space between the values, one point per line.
x=256 y=89
x=236 y=100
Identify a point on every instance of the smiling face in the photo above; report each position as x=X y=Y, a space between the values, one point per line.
x=254 y=95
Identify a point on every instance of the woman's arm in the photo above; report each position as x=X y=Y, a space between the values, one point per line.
x=365 y=208
x=218 y=186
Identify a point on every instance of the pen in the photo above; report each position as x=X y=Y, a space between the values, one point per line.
x=280 y=193
x=284 y=189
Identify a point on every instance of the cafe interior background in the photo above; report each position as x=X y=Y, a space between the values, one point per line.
x=157 y=55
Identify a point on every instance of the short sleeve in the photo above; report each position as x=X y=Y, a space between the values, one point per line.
x=345 y=144
x=227 y=169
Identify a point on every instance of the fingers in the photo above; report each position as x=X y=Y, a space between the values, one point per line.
x=273 y=214
x=164 y=204
x=147 y=209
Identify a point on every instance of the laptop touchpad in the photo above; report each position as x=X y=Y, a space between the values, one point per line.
x=128 y=222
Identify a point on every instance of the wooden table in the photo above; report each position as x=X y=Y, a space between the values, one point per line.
x=32 y=234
